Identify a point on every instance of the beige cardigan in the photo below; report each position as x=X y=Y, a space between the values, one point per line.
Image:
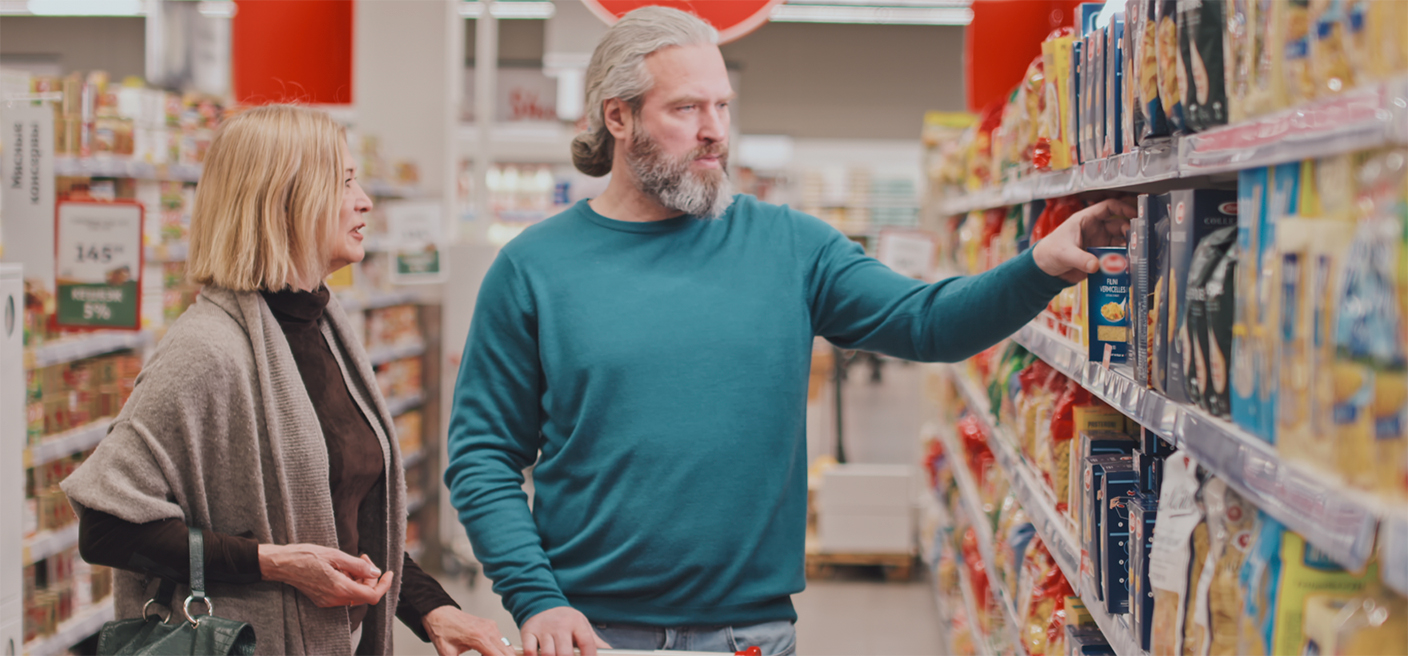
x=220 y=433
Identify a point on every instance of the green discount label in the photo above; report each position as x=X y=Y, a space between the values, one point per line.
x=101 y=305
x=98 y=264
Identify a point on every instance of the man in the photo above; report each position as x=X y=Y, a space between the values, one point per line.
x=653 y=345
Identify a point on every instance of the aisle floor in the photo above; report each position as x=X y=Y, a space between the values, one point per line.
x=847 y=617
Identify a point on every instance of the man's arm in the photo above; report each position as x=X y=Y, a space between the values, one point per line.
x=494 y=436
x=860 y=303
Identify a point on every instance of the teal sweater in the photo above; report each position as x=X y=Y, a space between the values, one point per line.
x=661 y=371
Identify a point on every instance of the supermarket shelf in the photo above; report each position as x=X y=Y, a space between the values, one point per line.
x=388 y=189
x=402 y=404
x=124 y=167
x=1338 y=520
x=76 y=628
x=1053 y=528
x=1357 y=120
x=48 y=543
x=409 y=460
x=982 y=526
x=70 y=349
x=67 y=443
x=354 y=302
x=177 y=252
x=981 y=642
x=385 y=354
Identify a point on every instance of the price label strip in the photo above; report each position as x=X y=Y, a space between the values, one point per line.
x=98 y=264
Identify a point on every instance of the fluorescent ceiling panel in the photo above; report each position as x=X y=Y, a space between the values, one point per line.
x=891 y=14
x=511 y=9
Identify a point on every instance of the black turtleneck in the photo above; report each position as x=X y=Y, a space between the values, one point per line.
x=355 y=466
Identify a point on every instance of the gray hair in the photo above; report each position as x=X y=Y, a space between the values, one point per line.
x=617 y=70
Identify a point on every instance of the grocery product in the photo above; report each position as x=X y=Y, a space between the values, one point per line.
x=1118 y=488
x=1172 y=557
x=1371 y=623
x=1150 y=283
x=1194 y=332
x=1094 y=512
x=1113 y=143
x=1108 y=306
x=1196 y=214
x=1143 y=513
x=1131 y=113
x=1299 y=78
x=1285 y=195
x=1218 y=600
x=1146 y=71
x=1170 y=63
x=1294 y=239
x=1249 y=343
x=1056 y=57
x=1093 y=443
x=1201 y=26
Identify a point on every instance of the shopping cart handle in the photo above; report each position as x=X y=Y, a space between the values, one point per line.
x=751 y=651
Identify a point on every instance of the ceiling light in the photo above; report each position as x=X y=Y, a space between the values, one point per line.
x=217 y=8
x=890 y=14
x=86 y=7
x=511 y=9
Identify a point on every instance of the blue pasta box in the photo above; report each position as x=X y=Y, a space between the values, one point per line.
x=1284 y=202
x=1114 y=86
x=1196 y=214
x=1107 y=311
x=1150 y=442
x=1155 y=209
x=1082 y=641
x=1249 y=341
x=1092 y=514
x=1150 y=466
x=1147 y=246
x=1118 y=488
x=1077 y=82
x=1097 y=98
x=1143 y=512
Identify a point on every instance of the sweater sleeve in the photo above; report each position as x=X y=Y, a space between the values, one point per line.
x=494 y=434
x=858 y=303
x=420 y=594
x=163 y=548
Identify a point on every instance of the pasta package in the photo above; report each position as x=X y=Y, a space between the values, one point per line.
x=1198 y=377
x=1369 y=624
x=1253 y=188
x=1131 y=114
x=1333 y=28
x=1237 y=43
x=1300 y=81
x=1266 y=33
x=1056 y=60
x=1145 y=82
x=1219 y=600
x=1220 y=299
x=1172 y=555
x=1114 y=87
x=1108 y=310
x=1169 y=63
x=1143 y=514
x=1284 y=202
x=1196 y=214
x=1201 y=24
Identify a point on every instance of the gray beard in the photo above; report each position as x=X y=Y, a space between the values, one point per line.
x=705 y=194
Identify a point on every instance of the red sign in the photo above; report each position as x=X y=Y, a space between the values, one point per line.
x=732 y=18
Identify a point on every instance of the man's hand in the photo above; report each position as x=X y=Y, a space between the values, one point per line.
x=454 y=632
x=1062 y=253
x=556 y=631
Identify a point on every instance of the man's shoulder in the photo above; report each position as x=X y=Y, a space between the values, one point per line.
x=546 y=235
x=761 y=214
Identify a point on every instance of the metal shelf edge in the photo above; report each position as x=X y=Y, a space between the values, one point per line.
x=73 y=630
x=72 y=349
x=68 y=442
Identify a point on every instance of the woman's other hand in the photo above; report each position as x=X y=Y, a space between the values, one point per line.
x=327 y=576
x=455 y=632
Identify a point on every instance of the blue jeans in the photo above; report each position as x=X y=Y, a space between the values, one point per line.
x=774 y=638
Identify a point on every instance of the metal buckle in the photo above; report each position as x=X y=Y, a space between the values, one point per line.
x=186 y=609
x=147 y=605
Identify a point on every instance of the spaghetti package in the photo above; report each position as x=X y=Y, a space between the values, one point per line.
x=1172 y=557
x=1201 y=25
x=1266 y=55
x=1299 y=78
x=1197 y=379
x=1248 y=339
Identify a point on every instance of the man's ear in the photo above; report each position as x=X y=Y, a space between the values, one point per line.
x=618 y=117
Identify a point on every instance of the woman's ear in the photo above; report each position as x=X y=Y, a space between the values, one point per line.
x=617 y=116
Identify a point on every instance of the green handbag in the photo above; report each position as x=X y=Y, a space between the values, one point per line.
x=205 y=635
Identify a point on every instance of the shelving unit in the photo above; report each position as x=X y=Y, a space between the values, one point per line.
x=1053 y=528
x=1364 y=118
x=70 y=632
x=47 y=543
x=385 y=354
x=67 y=443
x=83 y=346
x=401 y=405
x=981 y=641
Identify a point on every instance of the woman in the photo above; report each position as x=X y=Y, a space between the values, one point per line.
x=259 y=420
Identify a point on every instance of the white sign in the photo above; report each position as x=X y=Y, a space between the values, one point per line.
x=908 y=252
x=27 y=192
x=415 y=231
x=99 y=264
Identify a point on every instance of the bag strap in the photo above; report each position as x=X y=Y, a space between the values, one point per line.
x=197 y=577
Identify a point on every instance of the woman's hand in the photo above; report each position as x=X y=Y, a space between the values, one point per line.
x=455 y=632
x=327 y=576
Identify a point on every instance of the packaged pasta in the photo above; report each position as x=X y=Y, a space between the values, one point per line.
x=1300 y=81
x=1131 y=114
x=1237 y=43
x=1056 y=60
x=1220 y=300
x=1331 y=68
x=1194 y=332
x=1253 y=188
x=1200 y=30
x=1266 y=85
x=1369 y=624
x=1146 y=72
x=1172 y=557
x=1219 y=600
x=1170 y=63
x=1196 y=213
x=1143 y=515
x=1108 y=311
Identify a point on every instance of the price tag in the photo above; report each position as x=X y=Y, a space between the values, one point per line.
x=98 y=264
x=415 y=232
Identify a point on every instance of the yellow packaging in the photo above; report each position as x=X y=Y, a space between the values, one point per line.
x=1299 y=25
x=1371 y=624
x=1266 y=31
x=1056 y=58
x=1294 y=236
x=1330 y=66
x=1306 y=572
x=1219 y=599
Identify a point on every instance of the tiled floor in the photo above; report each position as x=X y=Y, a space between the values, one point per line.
x=848 y=617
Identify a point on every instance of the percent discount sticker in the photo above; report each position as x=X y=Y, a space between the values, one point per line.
x=98 y=264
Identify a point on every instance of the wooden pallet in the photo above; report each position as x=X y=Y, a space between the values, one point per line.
x=897 y=567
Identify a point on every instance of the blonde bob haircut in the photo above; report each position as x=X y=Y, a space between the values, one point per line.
x=266 y=208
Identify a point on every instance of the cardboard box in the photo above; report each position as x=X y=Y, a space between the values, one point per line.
x=1114 y=87
x=1143 y=513
x=1087 y=642
x=1284 y=202
x=1196 y=213
x=1117 y=490
x=1093 y=514
x=1107 y=310
x=866 y=509
x=1248 y=334
x=1093 y=443
x=1076 y=83
x=1151 y=471
x=1158 y=226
